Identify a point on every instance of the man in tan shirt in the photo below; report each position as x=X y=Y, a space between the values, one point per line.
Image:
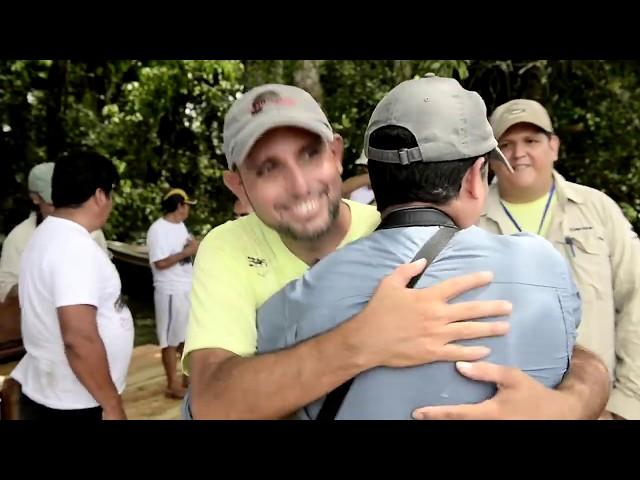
x=587 y=227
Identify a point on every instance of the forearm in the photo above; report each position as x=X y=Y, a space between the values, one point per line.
x=88 y=359
x=274 y=385
x=586 y=385
x=353 y=183
x=625 y=395
x=625 y=257
x=171 y=260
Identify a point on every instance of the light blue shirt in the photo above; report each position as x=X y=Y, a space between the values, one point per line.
x=528 y=272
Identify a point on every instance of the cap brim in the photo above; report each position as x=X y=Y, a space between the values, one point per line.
x=269 y=122
x=514 y=121
x=190 y=202
x=496 y=154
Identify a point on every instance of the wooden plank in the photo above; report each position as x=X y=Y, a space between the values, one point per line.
x=144 y=395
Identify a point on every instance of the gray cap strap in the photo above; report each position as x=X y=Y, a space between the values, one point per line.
x=403 y=156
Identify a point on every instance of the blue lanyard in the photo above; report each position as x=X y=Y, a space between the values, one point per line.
x=544 y=214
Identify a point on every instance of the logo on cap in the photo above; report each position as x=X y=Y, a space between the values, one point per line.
x=269 y=96
x=516 y=111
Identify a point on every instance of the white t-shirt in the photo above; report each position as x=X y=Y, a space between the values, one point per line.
x=62 y=265
x=164 y=239
x=363 y=195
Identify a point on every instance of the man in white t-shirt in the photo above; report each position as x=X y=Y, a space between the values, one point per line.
x=39 y=182
x=77 y=332
x=171 y=251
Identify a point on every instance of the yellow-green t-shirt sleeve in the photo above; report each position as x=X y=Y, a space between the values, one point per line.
x=223 y=308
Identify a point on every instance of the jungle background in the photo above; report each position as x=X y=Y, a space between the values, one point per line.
x=160 y=121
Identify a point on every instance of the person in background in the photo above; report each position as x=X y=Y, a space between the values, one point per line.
x=358 y=187
x=77 y=331
x=587 y=228
x=171 y=252
x=363 y=194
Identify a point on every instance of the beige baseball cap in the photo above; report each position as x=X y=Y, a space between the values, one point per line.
x=265 y=107
x=448 y=122
x=520 y=110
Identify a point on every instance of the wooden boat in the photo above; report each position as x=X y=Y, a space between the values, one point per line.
x=10 y=339
x=126 y=252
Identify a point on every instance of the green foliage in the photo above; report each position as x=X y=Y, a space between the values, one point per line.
x=595 y=109
x=600 y=127
x=161 y=121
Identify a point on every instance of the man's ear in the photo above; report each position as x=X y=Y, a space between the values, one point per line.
x=100 y=197
x=233 y=182
x=337 y=150
x=473 y=181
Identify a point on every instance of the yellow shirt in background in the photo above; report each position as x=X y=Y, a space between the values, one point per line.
x=528 y=215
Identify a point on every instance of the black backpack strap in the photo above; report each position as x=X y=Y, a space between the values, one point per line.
x=415 y=217
x=333 y=401
x=430 y=250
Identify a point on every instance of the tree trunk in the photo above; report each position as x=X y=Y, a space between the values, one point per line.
x=55 y=130
x=307 y=77
x=259 y=72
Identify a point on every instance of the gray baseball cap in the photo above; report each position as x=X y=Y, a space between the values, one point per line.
x=448 y=122
x=265 y=107
x=40 y=180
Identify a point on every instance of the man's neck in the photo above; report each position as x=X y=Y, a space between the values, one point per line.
x=450 y=209
x=310 y=252
x=172 y=217
x=39 y=217
x=76 y=215
x=525 y=195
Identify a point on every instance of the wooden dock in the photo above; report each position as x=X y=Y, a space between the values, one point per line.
x=144 y=396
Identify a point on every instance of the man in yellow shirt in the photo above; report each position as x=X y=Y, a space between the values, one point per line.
x=587 y=227
x=285 y=161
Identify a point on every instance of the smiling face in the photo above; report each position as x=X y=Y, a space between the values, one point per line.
x=291 y=179
x=531 y=152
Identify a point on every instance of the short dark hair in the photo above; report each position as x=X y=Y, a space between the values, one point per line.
x=171 y=204
x=78 y=174
x=430 y=182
